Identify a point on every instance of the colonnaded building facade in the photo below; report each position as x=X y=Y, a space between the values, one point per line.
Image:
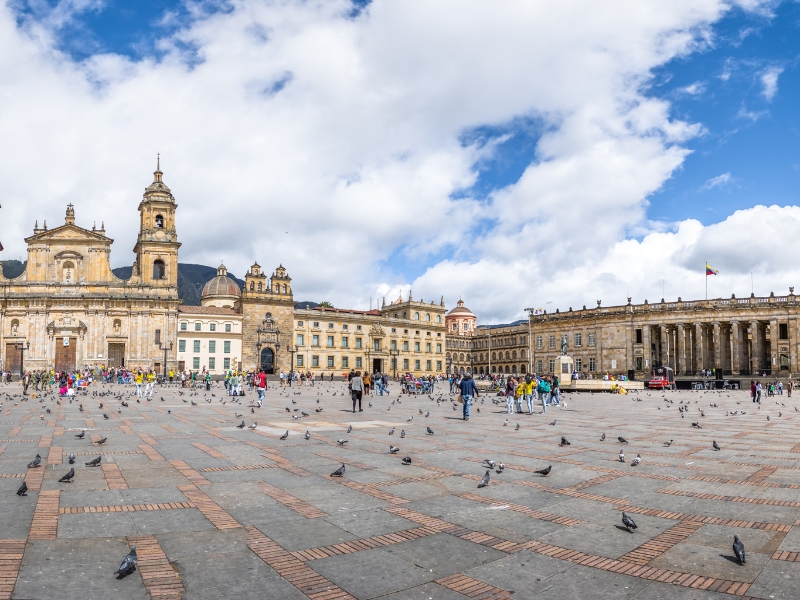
x=68 y=310
x=736 y=336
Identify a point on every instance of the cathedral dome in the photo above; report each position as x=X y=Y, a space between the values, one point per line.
x=221 y=285
x=461 y=311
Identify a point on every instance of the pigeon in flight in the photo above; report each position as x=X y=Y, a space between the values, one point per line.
x=128 y=565
x=349 y=429
x=407 y=460
x=564 y=441
x=621 y=456
x=341 y=442
x=81 y=434
x=622 y=440
x=94 y=462
x=603 y=438
x=68 y=477
x=72 y=458
x=738 y=549
x=545 y=472
x=285 y=435
x=715 y=445
x=307 y=435
x=484 y=481
x=35 y=462
x=430 y=431
x=636 y=460
x=338 y=472
x=628 y=522
x=23 y=489
x=393 y=449
x=241 y=425
x=102 y=441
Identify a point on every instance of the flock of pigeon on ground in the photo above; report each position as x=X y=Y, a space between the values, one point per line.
x=128 y=565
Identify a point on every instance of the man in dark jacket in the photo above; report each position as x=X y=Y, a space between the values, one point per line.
x=468 y=391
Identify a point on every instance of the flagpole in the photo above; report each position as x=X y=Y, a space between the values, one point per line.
x=705 y=270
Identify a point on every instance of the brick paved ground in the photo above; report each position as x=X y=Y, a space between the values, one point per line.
x=221 y=512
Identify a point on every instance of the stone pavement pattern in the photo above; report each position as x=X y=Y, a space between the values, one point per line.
x=221 y=512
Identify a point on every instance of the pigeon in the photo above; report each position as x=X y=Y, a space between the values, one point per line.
x=409 y=419
x=517 y=427
x=72 y=458
x=105 y=416
x=255 y=424
x=628 y=522
x=668 y=444
x=564 y=441
x=501 y=467
x=545 y=472
x=349 y=429
x=622 y=440
x=338 y=472
x=285 y=435
x=603 y=438
x=636 y=460
x=554 y=422
x=102 y=441
x=305 y=414
x=319 y=410
x=430 y=431
x=307 y=435
x=393 y=449
x=68 y=477
x=407 y=460
x=738 y=549
x=128 y=565
x=35 y=462
x=23 y=489
x=391 y=431
x=341 y=442
x=491 y=463
x=697 y=425
x=81 y=434
x=94 y=462
x=715 y=445
x=621 y=456
x=241 y=425
x=484 y=481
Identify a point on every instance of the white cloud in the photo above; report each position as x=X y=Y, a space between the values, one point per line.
x=694 y=89
x=723 y=180
x=358 y=154
x=769 y=81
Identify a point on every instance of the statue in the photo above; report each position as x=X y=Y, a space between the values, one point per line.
x=116 y=328
x=14 y=329
x=564 y=344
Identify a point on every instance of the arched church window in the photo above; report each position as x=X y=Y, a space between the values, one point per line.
x=259 y=286
x=428 y=317
x=284 y=288
x=159 y=222
x=277 y=288
x=416 y=316
x=252 y=286
x=438 y=318
x=159 y=270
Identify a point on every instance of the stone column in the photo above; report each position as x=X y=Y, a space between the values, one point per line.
x=736 y=341
x=773 y=346
x=698 y=347
x=664 y=355
x=716 y=342
x=646 y=349
x=681 y=350
x=755 y=347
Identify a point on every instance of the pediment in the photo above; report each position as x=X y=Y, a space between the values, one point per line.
x=68 y=254
x=71 y=233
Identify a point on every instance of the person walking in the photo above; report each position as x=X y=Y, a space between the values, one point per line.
x=357 y=390
x=468 y=391
x=753 y=389
x=530 y=392
x=367 y=382
x=758 y=392
x=544 y=392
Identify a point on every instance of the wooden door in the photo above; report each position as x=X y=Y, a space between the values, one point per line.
x=116 y=355
x=13 y=358
x=65 y=355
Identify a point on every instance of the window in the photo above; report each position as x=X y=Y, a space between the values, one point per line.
x=638 y=363
x=393 y=345
x=428 y=347
x=539 y=344
x=330 y=325
x=227 y=327
x=226 y=363
x=405 y=331
x=226 y=347
x=212 y=346
x=428 y=365
x=183 y=325
x=344 y=342
x=259 y=286
x=405 y=364
x=438 y=348
x=466 y=326
x=405 y=346
x=315 y=340
x=358 y=327
x=551 y=342
x=344 y=326
x=198 y=326
x=638 y=336
x=181 y=345
x=212 y=363
x=196 y=362
x=299 y=360
x=358 y=342
x=315 y=325
x=301 y=340
x=158 y=336
x=159 y=222
x=783 y=331
x=455 y=326
x=358 y=362
x=578 y=364
x=330 y=362
x=330 y=341
x=416 y=365
x=592 y=364
x=578 y=340
x=299 y=323
x=538 y=366
x=591 y=339
x=438 y=364
x=159 y=272
x=416 y=346
x=552 y=365
x=416 y=316
x=439 y=320
x=428 y=317
x=196 y=345
x=212 y=327
x=394 y=330
x=315 y=360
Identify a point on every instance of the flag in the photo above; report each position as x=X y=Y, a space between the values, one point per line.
x=538 y=311
x=710 y=271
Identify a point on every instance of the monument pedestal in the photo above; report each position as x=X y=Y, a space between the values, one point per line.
x=564 y=367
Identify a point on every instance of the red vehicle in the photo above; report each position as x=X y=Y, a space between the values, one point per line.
x=663 y=378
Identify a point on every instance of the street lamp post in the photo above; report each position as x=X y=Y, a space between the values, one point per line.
x=292 y=351
x=489 y=353
x=22 y=346
x=165 y=349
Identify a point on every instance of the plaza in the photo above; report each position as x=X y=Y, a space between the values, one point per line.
x=222 y=512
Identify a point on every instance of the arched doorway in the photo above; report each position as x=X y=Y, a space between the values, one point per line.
x=268 y=360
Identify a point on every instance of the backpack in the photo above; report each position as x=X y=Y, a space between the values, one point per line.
x=543 y=387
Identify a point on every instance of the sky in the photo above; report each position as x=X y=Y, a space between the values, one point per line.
x=523 y=154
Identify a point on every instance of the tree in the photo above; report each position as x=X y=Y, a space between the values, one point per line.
x=326 y=305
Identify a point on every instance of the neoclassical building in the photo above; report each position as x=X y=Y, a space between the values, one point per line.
x=68 y=310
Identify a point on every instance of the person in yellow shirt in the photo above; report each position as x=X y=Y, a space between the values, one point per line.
x=171 y=375
x=139 y=380
x=519 y=392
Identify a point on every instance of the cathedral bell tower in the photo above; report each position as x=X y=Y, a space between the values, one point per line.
x=157 y=245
